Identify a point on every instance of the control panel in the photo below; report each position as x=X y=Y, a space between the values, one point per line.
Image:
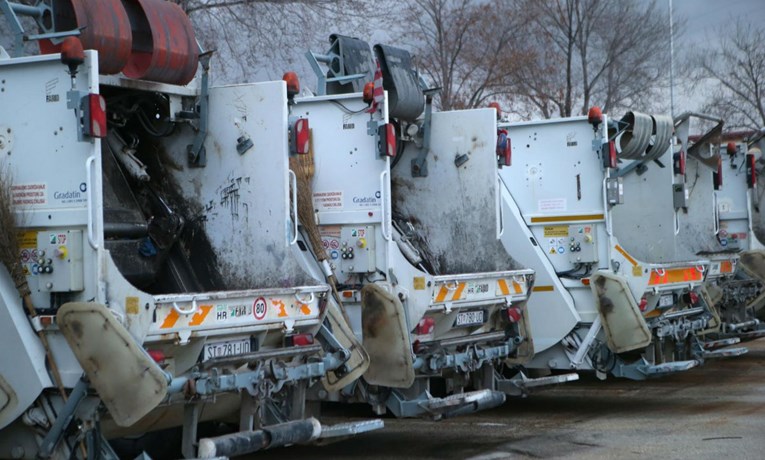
x=581 y=244
x=357 y=249
x=58 y=263
x=351 y=248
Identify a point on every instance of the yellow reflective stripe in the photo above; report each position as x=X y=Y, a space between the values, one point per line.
x=458 y=292
x=542 y=289
x=726 y=266
x=540 y=220
x=503 y=287
x=442 y=294
x=200 y=316
x=517 y=287
x=675 y=275
x=170 y=320
x=626 y=256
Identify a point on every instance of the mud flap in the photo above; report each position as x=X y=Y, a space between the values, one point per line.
x=625 y=327
x=753 y=264
x=127 y=380
x=386 y=339
x=358 y=363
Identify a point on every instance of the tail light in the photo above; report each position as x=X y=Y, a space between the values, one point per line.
x=513 y=314
x=299 y=340
x=691 y=298
x=293 y=83
x=643 y=304
x=608 y=155
x=425 y=326
x=369 y=92
x=94 y=115
x=504 y=149
x=717 y=178
x=751 y=172
x=157 y=355
x=300 y=136
x=387 y=140
x=678 y=163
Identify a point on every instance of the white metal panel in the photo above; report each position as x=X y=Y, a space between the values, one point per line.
x=23 y=363
x=51 y=185
x=455 y=208
x=645 y=223
x=732 y=202
x=697 y=224
x=244 y=198
x=552 y=312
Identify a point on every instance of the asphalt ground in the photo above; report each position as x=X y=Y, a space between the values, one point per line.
x=715 y=411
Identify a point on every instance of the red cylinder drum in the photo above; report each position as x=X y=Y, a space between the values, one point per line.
x=106 y=28
x=164 y=47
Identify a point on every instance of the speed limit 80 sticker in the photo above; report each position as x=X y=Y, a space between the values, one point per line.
x=259 y=308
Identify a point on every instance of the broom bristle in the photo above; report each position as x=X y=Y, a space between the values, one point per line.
x=9 y=237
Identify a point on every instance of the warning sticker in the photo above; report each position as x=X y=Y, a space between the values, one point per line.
x=131 y=305
x=556 y=231
x=328 y=201
x=28 y=239
x=29 y=194
x=330 y=231
x=552 y=205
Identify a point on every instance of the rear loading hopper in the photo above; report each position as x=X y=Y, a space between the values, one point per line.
x=436 y=300
x=596 y=304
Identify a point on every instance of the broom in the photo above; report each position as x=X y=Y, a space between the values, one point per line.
x=304 y=169
x=9 y=256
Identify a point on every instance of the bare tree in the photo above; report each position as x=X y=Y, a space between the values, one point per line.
x=593 y=52
x=460 y=45
x=736 y=73
x=257 y=39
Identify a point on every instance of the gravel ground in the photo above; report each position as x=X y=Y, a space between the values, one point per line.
x=715 y=411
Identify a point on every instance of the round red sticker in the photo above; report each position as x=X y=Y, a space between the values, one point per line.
x=259 y=308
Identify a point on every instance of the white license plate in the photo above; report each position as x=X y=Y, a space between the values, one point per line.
x=226 y=348
x=666 y=301
x=469 y=318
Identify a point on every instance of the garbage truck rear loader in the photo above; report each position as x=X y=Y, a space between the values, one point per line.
x=597 y=304
x=428 y=287
x=156 y=280
x=734 y=186
x=712 y=222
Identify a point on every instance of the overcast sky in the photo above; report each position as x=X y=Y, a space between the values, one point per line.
x=704 y=17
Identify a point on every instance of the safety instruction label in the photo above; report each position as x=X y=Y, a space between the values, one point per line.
x=552 y=205
x=328 y=201
x=27 y=239
x=556 y=231
x=29 y=194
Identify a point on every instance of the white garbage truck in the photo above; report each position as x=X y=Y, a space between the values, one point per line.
x=153 y=275
x=736 y=198
x=606 y=298
x=406 y=205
